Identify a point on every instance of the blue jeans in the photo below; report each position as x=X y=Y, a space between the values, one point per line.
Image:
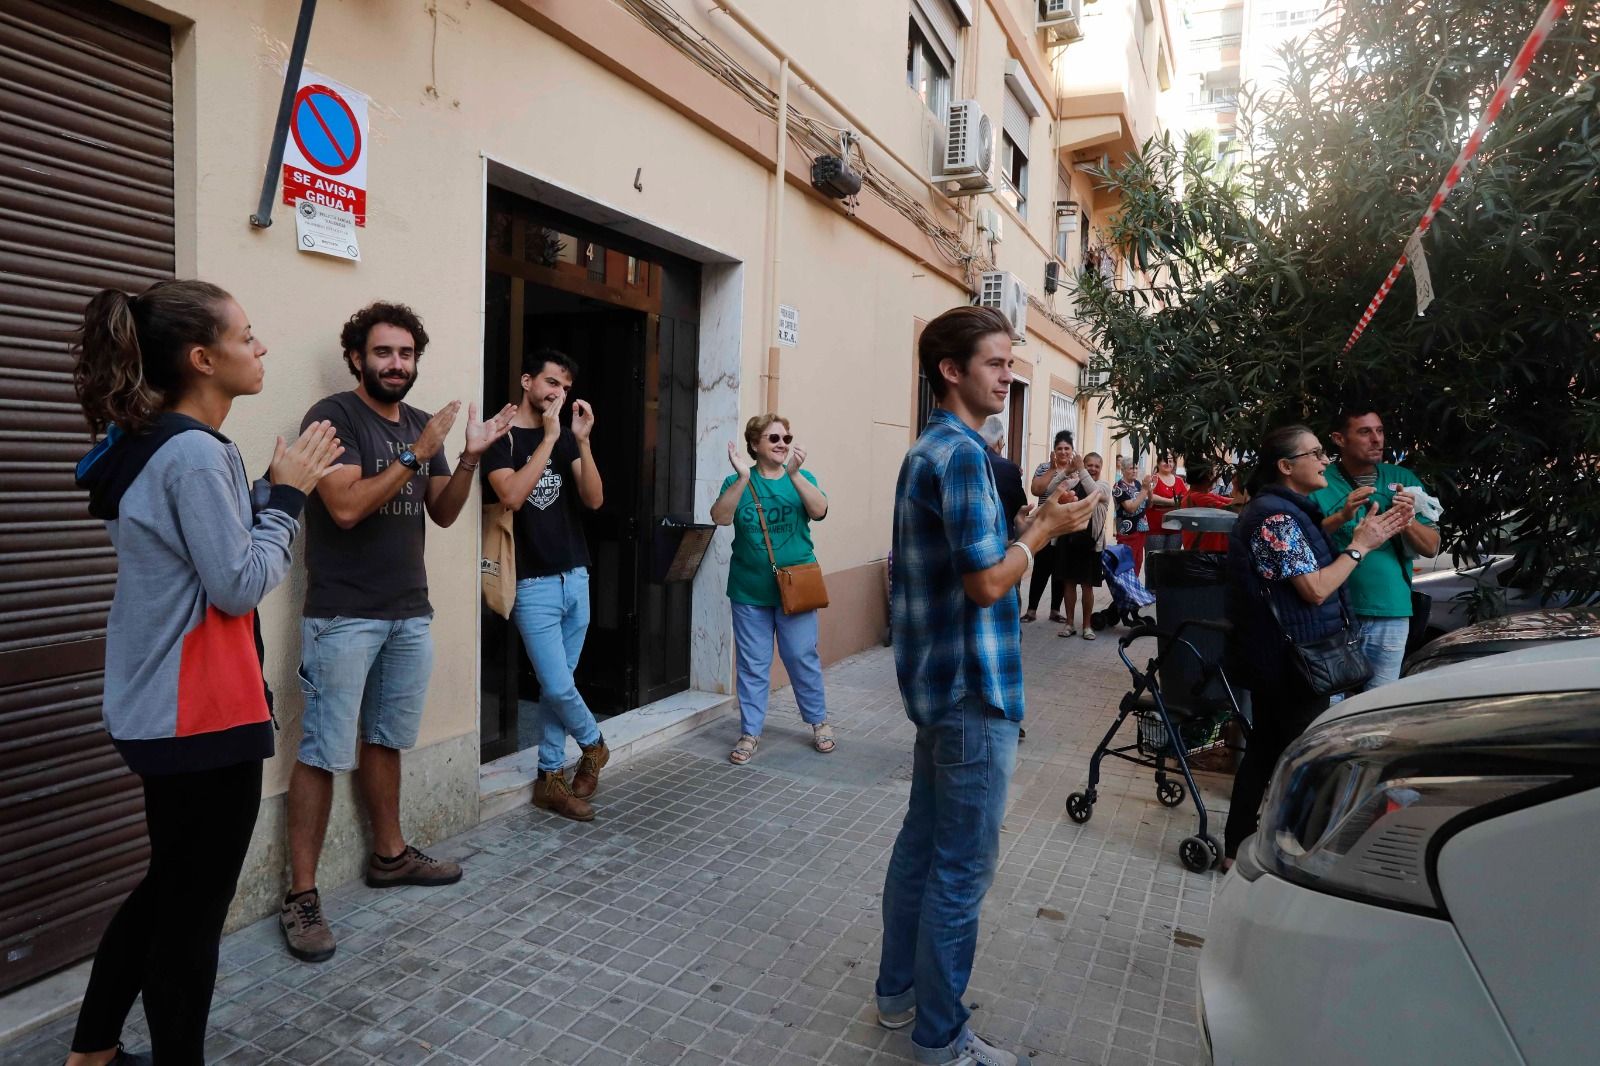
x=753 y=631
x=361 y=675
x=1383 y=642
x=943 y=863
x=552 y=616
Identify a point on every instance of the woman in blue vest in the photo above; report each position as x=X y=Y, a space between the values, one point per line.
x=1278 y=557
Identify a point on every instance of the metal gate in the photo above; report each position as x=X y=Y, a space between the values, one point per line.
x=86 y=202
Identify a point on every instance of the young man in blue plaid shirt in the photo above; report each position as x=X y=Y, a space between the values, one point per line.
x=956 y=635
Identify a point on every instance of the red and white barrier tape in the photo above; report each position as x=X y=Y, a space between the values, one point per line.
x=1508 y=86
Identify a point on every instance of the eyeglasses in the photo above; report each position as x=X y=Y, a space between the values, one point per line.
x=774 y=438
x=1316 y=453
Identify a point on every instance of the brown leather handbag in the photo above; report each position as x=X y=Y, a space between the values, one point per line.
x=800 y=587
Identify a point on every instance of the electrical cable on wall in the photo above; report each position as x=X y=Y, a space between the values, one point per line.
x=816 y=137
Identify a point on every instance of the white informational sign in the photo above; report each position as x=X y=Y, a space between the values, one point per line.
x=1419 y=272
x=325 y=155
x=788 y=326
x=326 y=231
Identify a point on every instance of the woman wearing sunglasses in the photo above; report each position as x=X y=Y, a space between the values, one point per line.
x=771 y=485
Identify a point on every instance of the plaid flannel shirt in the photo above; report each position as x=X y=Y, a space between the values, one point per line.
x=948 y=522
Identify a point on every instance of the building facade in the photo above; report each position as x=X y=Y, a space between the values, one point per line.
x=604 y=176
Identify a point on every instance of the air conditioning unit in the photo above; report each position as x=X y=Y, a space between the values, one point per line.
x=992 y=222
x=1004 y=291
x=968 y=150
x=1060 y=20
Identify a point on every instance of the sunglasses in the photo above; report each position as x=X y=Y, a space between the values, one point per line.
x=775 y=438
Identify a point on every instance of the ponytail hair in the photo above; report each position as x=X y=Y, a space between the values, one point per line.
x=130 y=349
x=1277 y=444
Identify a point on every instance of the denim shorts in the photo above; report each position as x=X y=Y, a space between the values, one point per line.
x=363 y=678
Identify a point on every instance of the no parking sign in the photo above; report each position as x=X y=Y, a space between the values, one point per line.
x=325 y=159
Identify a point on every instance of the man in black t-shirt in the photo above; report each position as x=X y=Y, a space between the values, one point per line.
x=545 y=474
x=366 y=651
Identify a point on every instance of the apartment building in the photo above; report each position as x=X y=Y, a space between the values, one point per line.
x=663 y=187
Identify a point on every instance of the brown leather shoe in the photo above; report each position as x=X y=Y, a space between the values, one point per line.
x=552 y=793
x=587 y=778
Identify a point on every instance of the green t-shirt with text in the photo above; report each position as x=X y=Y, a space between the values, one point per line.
x=1380 y=587
x=750 y=579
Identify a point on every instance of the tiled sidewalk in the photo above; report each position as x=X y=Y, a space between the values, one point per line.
x=716 y=914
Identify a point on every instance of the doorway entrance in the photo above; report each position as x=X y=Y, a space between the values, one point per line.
x=628 y=315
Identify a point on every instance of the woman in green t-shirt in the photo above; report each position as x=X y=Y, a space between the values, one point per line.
x=790 y=500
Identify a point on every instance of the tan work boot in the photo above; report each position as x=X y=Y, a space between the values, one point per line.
x=552 y=793
x=587 y=777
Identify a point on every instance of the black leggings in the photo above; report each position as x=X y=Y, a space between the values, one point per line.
x=163 y=940
x=1280 y=713
x=1044 y=568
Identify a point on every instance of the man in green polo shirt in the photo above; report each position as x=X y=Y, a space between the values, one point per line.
x=1380 y=587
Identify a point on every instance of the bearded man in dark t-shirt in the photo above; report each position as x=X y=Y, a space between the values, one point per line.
x=546 y=474
x=366 y=650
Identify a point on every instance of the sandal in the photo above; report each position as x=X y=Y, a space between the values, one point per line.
x=1057 y=616
x=1068 y=632
x=822 y=737
x=1089 y=634
x=1029 y=616
x=743 y=750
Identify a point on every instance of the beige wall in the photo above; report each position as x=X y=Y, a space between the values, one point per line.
x=477 y=80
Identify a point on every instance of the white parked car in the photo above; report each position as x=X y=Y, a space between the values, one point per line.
x=1425 y=886
x=1451 y=588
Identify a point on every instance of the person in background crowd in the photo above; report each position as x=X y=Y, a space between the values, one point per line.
x=1166 y=492
x=1077 y=563
x=771 y=470
x=1203 y=473
x=366 y=643
x=1278 y=549
x=1131 y=498
x=1007 y=475
x=956 y=638
x=198 y=548
x=1062 y=459
x=547 y=475
x=1380 y=589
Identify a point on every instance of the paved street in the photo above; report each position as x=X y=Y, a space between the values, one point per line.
x=716 y=914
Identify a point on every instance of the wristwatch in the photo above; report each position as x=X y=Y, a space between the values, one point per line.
x=1354 y=553
x=408 y=458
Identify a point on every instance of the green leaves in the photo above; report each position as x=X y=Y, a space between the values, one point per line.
x=1256 y=274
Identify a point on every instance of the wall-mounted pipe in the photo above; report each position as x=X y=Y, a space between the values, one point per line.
x=779 y=178
x=280 y=133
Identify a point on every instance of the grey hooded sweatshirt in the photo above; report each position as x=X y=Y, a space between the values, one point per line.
x=196 y=552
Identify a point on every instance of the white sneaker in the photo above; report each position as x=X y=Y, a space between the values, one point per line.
x=978 y=1052
x=898 y=1019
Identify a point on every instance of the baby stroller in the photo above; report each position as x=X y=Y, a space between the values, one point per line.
x=1168 y=731
x=1127 y=594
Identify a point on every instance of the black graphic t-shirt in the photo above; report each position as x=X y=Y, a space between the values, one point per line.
x=548 y=527
x=374 y=570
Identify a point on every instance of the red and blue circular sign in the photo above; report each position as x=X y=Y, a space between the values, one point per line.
x=325 y=130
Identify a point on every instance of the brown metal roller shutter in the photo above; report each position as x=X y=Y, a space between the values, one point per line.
x=86 y=202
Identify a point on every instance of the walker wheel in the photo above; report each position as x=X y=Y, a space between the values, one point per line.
x=1079 y=807
x=1197 y=853
x=1171 y=793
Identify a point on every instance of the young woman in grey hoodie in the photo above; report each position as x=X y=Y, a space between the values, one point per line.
x=197 y=549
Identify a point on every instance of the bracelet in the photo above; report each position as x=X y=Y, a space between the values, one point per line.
x=1025 y=550
x=461 y=460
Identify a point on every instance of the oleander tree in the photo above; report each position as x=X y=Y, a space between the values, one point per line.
x=1257 y=272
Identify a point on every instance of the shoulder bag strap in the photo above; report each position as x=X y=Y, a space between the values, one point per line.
x=761 y=516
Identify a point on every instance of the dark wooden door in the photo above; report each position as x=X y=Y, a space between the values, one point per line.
x=86 y=202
